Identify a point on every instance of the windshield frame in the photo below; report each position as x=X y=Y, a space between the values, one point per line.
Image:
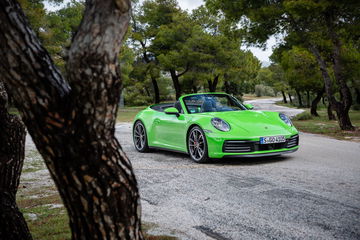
x=235 y=101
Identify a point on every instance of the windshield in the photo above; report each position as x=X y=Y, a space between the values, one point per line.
x=212 y=103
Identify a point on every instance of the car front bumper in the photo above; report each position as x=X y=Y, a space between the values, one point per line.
x=218 y=148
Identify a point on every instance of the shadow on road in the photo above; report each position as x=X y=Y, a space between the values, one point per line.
x=224 y=161
x=251 y=161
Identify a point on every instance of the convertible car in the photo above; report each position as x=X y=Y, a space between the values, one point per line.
x=214 y=125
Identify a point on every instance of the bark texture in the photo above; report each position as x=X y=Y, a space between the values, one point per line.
x=12 y=148
x=72 y=121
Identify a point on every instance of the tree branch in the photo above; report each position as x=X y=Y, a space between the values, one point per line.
x=186 y=69
x=40 y=86
x=92 y=68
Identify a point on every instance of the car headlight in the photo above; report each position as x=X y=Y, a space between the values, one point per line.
x=286 y=119
x=220 y=124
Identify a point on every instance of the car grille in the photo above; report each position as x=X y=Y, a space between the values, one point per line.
x=241 y=146
x=293 y=141
x=234 y=146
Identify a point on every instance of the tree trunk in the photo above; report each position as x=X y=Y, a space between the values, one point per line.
x=194 y=88
x=147 y=92
x=331 y=116
x=213 y=84
x=342 y=107
x=284 y=97
x=314 y=103
x=357 y=91
x=308 y=99
x=342 y=110
x=12 y=147
x=176 y=83
x=156 y=90
x=73 y=122
x=299 y=98
x=290 y=99
x=227 y=87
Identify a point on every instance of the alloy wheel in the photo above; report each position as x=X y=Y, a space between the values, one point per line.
x=139 y=136
x=197 y=145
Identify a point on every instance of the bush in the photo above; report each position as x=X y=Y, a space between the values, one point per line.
x=262 y=90
x=303 y=116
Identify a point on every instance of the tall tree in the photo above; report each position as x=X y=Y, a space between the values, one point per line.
x=72 y=121
x=141 y=35
x=172 y=50
x=303 y=74
x=12 y=148
x=278 y=81
x=323 y=27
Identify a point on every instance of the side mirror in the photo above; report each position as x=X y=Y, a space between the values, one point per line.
x=249 y=106
x=172 y=111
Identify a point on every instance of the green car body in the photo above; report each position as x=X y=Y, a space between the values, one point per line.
x=166 y=128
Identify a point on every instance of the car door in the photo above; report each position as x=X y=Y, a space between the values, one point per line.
x=170 y=131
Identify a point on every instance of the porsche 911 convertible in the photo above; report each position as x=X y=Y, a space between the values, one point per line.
x=214 y=125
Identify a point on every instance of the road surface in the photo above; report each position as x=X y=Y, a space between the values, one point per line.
x=311 y=194
x=269 y=105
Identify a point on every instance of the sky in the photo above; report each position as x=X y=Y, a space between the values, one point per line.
x=262 y=55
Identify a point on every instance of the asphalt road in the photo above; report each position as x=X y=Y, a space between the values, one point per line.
x=313 y=193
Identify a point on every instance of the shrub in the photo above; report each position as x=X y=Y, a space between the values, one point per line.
x=262 y=90
x=303 y=116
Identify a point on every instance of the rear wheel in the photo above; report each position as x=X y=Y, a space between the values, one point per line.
x=197 y=145
x=140 y=138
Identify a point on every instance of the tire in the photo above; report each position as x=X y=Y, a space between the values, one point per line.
x=140 y=137
x=197 y=145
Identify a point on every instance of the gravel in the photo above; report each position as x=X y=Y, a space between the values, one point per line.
x=313 y=193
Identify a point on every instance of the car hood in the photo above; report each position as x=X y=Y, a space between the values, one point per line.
x=254 y=123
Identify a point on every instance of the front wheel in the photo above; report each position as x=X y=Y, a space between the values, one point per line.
x=197 y=145
x=140 y=138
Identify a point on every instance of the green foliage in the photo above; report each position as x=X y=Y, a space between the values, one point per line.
x=325 y=28
x=199 y=47
x=301 y=69
x=262 y=90
x=36 y=14
x=54 y=29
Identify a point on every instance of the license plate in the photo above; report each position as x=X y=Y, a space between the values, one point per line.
x=273 y=139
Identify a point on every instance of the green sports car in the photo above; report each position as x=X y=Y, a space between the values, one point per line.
x=214 y=125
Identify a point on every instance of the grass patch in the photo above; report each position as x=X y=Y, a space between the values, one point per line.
x=51 y=223
x=45 y=221
x=321 y=125
x=128 y=114
x=33 y=162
